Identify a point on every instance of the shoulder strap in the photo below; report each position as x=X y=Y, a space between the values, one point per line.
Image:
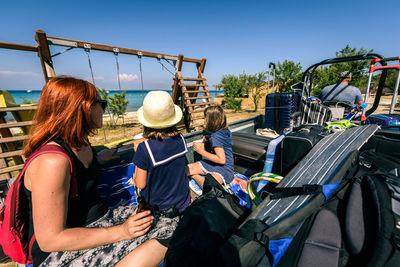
x=56 y=150
x=335 y=95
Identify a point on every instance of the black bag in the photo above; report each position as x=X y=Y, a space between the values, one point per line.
x=298 y=143
x=205 y=226
x=358 y=227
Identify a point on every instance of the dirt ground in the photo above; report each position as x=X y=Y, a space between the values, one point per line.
x=132 y=127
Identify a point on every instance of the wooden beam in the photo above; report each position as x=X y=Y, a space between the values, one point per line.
x=199 y=104
x=12 y=168
x=108 y=48
x=193 y=91
x=176 y=93
x=18 y=47
x=18 y=108
x=199 y=97
x=10 y=154
x=180 y=62
x=202 y=65
x=194 y=79
x=15 y=124
x=3 y=164
x=5 y=134
x=44 y=55
x=188 y=85
x=13 y=139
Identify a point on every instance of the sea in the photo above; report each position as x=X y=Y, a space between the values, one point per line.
x=134 y=97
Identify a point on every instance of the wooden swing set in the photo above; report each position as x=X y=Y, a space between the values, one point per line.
x=190 y=93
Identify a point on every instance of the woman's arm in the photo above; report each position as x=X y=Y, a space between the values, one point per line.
x=218 y=157
x=48 y=178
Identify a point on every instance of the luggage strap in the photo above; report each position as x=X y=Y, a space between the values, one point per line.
x=253 y=230
x=306 y=189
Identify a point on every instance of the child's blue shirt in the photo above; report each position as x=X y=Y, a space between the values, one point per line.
x=167 y=183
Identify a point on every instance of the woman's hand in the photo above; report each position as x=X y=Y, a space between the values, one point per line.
x=137 y=224
x=107 y=155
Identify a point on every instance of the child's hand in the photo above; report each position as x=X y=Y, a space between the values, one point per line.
x=198 y=147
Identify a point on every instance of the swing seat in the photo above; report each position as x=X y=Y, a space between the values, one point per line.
x=7 y=101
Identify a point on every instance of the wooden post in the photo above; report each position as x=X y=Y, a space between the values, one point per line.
x=180 y=62
x=44 y=55
x=175 y=88
x=202 y=65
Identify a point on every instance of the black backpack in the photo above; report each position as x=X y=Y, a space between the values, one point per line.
x=205 y=226
x=359 y=226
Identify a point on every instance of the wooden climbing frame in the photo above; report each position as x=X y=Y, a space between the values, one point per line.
x=191 y=94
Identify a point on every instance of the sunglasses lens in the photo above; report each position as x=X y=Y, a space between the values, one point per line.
x=103 y=104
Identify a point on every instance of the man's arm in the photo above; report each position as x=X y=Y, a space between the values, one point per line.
x=358 y=98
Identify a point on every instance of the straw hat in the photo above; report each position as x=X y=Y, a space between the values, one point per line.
x=158 y=111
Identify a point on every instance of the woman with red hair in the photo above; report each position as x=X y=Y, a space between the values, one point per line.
x=67 y=217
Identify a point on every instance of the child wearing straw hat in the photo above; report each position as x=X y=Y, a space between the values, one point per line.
x=160 y=159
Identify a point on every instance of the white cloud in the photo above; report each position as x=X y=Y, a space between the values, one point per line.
x=128 y=77
x=8 y=73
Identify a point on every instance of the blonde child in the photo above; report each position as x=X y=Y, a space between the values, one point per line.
x=160 y=160
x=218 y=162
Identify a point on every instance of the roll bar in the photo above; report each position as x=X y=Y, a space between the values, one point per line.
x=307 y=77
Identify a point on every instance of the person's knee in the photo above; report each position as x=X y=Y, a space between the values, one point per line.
x=218 y=178
x=150 y=253
x=193 y=169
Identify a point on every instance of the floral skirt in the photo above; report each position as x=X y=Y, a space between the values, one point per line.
x=109 y=255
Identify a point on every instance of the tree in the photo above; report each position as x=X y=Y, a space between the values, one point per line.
x=391 y=80
x=254 y=84
x=233 y=103
x=118 y=105
x=287 y=74
x=234 y=86
x=327 y=75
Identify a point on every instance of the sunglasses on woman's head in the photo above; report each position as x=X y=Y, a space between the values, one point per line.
x=102 y=102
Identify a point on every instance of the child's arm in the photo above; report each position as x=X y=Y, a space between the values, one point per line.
x=218 y=157
x=140 y=178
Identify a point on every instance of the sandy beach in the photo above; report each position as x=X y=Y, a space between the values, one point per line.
x=132 y=127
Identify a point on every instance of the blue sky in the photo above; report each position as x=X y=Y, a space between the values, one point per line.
x=234 y=36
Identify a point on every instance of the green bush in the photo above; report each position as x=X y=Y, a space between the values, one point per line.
x=118 y=104
x=287 y=73
x=233 y=103
x=234 y=86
